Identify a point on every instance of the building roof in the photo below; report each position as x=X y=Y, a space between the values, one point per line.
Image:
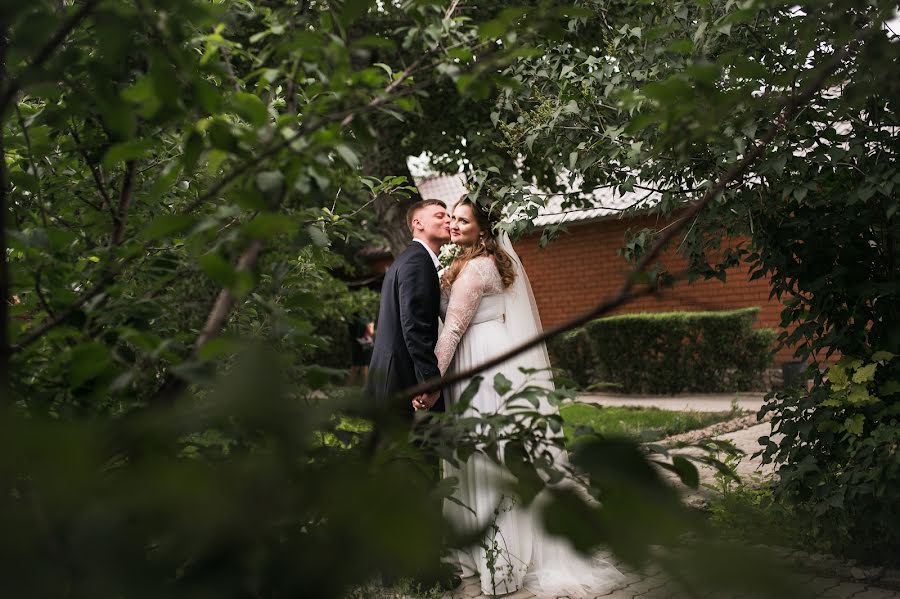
x=603 y=202
x=448 y=188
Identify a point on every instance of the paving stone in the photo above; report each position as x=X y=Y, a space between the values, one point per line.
x=642 y=587
x=844 y=590
x=617 y=594
x=820 y=585
x=521 y=594
x=872 y=593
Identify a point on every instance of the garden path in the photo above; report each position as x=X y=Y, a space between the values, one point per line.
x=830 y=579
x=698 y=402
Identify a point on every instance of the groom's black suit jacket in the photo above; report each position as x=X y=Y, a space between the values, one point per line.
x=407 y=329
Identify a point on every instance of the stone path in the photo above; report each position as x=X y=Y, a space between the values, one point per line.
x=703 y=402
x=653 y=584
x=834 y=580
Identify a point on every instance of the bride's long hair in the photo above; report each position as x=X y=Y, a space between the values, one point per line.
x=485 y=246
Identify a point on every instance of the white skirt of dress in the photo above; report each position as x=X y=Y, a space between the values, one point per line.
x=516 y=552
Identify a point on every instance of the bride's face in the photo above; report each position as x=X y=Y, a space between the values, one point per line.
x=464 y=229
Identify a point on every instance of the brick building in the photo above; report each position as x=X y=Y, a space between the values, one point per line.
x=582 y=266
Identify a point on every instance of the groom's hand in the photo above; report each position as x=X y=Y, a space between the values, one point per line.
x=425 y=400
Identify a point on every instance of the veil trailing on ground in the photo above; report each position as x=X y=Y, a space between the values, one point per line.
x=556 y=568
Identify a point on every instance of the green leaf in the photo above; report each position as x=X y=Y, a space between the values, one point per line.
x=865 y=373
x=517 y=461
x=889 y=388
x=469 y=392
x=319 y=237
x=168 y=225
x=194 y=372
x=208 y=96
x=854 y=425
x=269 y=224
x=87 y=361
x=250 y=108
x=144 y=94
x=127 y=150
x=220 y=346
x=217 y=269
x=686 y=471
x=270 y=182
x=837 y=376
x=348 y=155
x=502 y=385
x=193 y=147
x=859 y=395
x=166 y=180
x=883 y=356
x=353 y=10
x=387 y=69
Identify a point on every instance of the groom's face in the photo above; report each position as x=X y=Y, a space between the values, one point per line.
x=435 y=224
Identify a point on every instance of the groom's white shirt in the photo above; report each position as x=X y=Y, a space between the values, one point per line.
x=437 y=267
x=434 y=258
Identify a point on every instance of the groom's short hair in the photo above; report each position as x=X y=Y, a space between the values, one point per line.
x=411 y=211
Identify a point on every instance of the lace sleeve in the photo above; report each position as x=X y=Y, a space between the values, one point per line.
x=465 y=295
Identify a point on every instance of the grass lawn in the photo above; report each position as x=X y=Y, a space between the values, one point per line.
x=646 y=424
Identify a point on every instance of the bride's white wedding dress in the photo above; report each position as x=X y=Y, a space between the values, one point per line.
x=516 y=552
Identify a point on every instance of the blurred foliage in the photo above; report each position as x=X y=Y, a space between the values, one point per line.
x=836 y=448
x=668 y=352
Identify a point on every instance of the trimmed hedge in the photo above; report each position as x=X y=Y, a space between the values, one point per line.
x=668 y=352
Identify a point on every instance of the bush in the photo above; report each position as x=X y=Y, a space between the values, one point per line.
x=836 y=452
x=571 y=353
x=669 y=352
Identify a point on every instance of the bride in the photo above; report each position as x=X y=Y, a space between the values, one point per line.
x=489 y=309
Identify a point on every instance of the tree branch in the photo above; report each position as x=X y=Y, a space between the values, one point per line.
x=344 y=117
x=790 y=104
x=125 y=194
x=37 y=332
x=224 y=302
x=40 y=294
x=451 y=9
x=221 y=310
x=99 y=180
x=40 y=188
x=56 y=40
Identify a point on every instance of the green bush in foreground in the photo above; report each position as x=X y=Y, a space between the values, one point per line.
x=836 y=452
x=668 y=352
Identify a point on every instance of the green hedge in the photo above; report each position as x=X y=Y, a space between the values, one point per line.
x=668 y=352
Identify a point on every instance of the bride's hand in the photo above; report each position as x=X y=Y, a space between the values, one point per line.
x=425 y=401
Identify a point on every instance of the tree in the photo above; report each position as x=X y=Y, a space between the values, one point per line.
x=173 y=174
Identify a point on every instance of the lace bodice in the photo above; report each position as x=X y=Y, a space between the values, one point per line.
x=478 y=279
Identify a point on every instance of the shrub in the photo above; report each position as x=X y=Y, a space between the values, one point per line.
x=837 y=454
x=571 y=353
x=669 y=352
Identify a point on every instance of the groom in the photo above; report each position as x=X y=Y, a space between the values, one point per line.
x=403 y=355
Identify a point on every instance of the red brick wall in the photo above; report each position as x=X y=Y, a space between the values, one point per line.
x=582 y=267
